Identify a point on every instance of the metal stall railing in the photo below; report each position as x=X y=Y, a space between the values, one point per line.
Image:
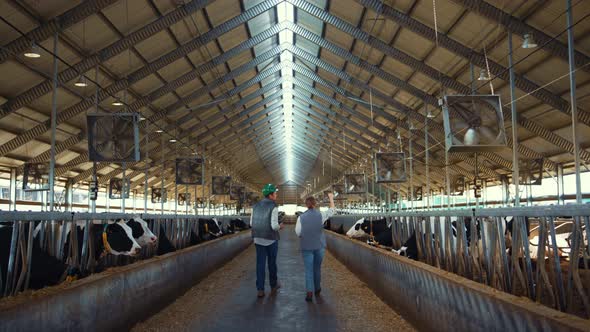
x=538 y=252
x=23 y=235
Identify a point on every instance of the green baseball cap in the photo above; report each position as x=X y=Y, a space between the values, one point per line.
x=269 y=189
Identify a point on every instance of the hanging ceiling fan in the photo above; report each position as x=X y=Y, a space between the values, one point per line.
x=113 y=137
x=474 y=123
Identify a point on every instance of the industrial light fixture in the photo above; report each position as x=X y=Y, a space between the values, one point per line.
x=483 y=75
x=141 y=118
x=172 y=140
x=33 y=52
x=430 y=115
x=529 y=41
x=159 y=131
x=117 y=102
x=81 y=82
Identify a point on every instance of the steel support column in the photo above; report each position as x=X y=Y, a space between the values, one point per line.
x=515 y=170
x=573 y=100
x=12 y=198
x=53 y=123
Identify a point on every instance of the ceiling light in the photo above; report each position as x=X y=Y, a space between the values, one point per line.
x=33 y=52
x=159 y=131
x=483 y=75
x=529 y=41
x=141 y=118
x=172 y=140
x=117 y=102
x=81 y=82
x=430 y=115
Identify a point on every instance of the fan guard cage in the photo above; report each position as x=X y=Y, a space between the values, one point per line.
x=355 y=183
x=457 y=185
x=159 y=195
x=220 y=185
x=418 y=194
x=531 y=171
x=116 y=187
x=236 y=193
x=113 y=137
x=338 y=190
x=467 y=115
x=184 y=198
x=190 y=171
x=390 y=167
x=36 y=177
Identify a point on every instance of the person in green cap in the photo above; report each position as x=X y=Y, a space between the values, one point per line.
x=265 y=231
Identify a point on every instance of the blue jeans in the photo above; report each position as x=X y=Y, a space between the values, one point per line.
x=262 y=254
x=312 y=259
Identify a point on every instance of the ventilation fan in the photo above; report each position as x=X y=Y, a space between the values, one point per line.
x=355 y=183
x=394 y=197
x=252 y=198
x=113 y=137
x=338 y=190
x=184 y=198
x=199 y=202
x=417 y=194
x=474 y=123
x=390 y=167
x=457 y=185
x=36 y=177
x=220 y=185
x=236 y=193
x=530 y=171
x=189 y=171
x=159 y=195
x=116 y=188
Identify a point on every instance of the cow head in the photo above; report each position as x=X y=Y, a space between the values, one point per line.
x=141 y=232
x=119 y=239
x=210 y=226
x=356 y=229
x=238 y=224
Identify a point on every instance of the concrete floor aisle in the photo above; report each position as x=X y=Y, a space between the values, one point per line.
x=226 y=300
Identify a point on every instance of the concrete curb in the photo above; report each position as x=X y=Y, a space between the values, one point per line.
x=435 y=300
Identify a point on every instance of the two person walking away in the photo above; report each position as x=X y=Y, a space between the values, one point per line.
x=265 y=231
x=310 y=229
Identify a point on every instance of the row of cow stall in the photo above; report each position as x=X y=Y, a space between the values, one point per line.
x=39 y=249
x=538 y=252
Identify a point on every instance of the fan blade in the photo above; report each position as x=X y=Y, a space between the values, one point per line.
x=488 y=135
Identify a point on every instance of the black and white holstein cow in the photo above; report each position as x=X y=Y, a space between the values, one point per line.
x=235 y=225
x=113 y=238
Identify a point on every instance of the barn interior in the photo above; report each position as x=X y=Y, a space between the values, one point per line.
x=462 y=126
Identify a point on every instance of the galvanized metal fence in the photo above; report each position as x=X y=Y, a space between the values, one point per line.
x=538 y=252
x=49 y=232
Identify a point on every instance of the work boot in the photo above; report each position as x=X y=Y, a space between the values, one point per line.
x=309 y=296
x=275 y=288
x=260 y=293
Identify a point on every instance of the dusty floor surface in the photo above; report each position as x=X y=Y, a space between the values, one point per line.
x=226 y=300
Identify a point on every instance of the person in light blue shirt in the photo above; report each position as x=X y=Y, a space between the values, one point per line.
x=265 y=232
x=310 y=229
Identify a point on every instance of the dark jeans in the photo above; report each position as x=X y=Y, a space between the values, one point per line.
x=262 y=253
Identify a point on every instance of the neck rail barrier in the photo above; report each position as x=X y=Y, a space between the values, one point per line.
x=40 y=249
x=541 y=253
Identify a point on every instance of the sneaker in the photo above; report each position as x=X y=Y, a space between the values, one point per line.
x=275 y=288
x=309 y=297
x=260 y=293
x=317 y=292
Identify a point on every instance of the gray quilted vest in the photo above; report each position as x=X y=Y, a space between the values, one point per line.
x=261 y=214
